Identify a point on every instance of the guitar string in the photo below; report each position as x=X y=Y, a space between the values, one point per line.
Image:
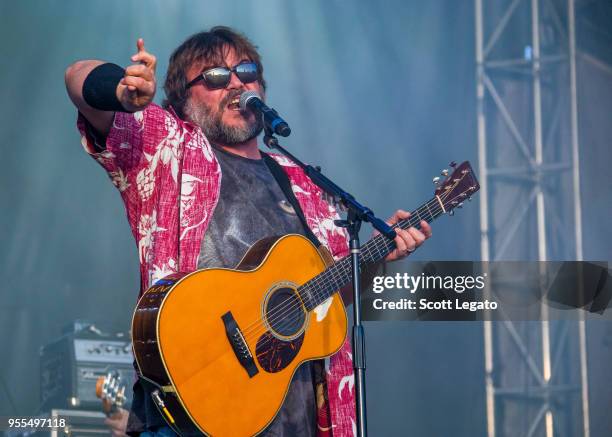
x=288 y=313
x=290 y=304
x=289 y=318
x=367 y=258
x=293 y=311
x=286 y=320
x=297 y=315
x=327 y=277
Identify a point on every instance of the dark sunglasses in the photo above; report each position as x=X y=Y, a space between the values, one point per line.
x=219 y=77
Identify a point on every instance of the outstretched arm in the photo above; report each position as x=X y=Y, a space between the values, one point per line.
x=134 y=91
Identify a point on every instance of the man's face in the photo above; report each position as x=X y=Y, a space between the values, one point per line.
x=216 y=110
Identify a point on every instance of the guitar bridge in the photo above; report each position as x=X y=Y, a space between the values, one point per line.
x=239 y=345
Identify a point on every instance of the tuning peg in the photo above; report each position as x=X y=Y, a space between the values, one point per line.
x=451 y=212
x=452 y=164
x=444 y=172
x=460 y=205
x=470 y=199
x=436 y=180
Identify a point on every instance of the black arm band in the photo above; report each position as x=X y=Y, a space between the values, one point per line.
x=100 y=87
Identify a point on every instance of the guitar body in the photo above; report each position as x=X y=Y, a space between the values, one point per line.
x=219 y=347
x=224 y=344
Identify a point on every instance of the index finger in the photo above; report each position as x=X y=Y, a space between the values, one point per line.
x=140 y=45
x=143 y=56
x=400 y=214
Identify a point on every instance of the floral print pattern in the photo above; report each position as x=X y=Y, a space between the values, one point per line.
x=169 y=179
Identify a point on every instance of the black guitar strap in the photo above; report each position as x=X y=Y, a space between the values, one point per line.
x=283 y=181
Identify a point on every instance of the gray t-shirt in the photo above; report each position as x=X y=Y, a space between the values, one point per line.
x=252 y=206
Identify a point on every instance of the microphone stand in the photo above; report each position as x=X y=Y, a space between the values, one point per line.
x=357 y=214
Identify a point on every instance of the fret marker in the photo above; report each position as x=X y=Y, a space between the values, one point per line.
x=305 y=295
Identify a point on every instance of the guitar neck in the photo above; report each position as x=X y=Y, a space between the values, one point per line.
x=322 y=286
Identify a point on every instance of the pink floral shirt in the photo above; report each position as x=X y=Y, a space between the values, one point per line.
x=169 y=179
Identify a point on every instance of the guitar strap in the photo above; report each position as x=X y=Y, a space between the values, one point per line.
x=318 y=365
x=283 y=181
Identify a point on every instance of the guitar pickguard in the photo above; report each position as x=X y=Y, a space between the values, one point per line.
x=274 y=354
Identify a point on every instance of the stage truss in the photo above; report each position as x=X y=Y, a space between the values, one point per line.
x=530 y=207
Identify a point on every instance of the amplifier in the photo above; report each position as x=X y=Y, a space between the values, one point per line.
x=71 y=365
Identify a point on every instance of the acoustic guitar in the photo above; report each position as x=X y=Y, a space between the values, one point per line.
x=219 y=346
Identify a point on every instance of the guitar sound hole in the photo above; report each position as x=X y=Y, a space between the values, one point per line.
x=284 y=312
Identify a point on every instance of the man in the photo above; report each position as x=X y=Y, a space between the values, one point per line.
x=198 y=193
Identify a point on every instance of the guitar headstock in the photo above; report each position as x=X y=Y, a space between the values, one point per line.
x=457 y=187
x=111 y=392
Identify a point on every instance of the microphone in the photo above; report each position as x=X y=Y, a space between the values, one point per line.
x=251 y=100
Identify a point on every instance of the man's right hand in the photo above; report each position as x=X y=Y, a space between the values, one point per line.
x=137 y=89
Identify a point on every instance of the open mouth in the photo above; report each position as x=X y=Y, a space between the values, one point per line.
x=234 y=104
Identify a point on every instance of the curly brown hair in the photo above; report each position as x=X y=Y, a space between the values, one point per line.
x=208 y=47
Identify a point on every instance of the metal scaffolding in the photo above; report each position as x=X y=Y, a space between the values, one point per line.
x=530 y=207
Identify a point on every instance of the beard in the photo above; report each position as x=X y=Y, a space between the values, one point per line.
x=215 y=129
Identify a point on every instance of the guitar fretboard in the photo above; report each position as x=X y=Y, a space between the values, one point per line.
x=322 y=286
